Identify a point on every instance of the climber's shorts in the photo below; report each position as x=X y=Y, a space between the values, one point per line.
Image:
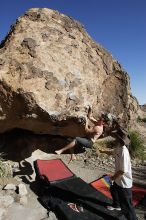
x=84 y=141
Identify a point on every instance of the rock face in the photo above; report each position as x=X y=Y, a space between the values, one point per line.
x=51 y=70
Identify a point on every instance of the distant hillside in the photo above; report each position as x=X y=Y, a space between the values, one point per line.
x=143 y=107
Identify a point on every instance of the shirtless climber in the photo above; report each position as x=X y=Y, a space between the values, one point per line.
x=92 y=134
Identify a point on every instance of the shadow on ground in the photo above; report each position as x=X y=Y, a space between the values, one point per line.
x=18 y=144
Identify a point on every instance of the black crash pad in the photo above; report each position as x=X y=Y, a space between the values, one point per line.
x=76 y=191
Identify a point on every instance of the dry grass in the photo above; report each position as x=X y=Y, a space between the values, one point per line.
x=137 y=146
x=5 y=167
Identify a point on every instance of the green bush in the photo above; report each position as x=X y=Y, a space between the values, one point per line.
x=137 y=148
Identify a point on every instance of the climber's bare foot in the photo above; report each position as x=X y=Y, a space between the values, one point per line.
x=58 y=152
x=72 y=158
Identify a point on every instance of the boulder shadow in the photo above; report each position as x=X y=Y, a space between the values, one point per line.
x=18 y=144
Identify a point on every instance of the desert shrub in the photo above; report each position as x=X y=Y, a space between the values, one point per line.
x=137 y=148
x=105 y=143
x=5 y=168
x=143 y=119
x=1 y=165
x=139 y=119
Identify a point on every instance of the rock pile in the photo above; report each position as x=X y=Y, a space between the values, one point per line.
x=11 y=193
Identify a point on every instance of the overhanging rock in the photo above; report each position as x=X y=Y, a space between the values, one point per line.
x=51 y=71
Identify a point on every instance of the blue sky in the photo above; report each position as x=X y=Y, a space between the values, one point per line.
x=118 y=25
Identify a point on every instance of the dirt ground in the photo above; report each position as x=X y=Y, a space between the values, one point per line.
x=34 y=210
x=88 y=166
x=81 y=167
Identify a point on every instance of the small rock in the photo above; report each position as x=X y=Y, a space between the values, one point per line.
x=10 y=186
x=22 y=189
x=15 y=169
x=23 y=200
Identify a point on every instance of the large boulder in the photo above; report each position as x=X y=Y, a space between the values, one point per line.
x=51 y=71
